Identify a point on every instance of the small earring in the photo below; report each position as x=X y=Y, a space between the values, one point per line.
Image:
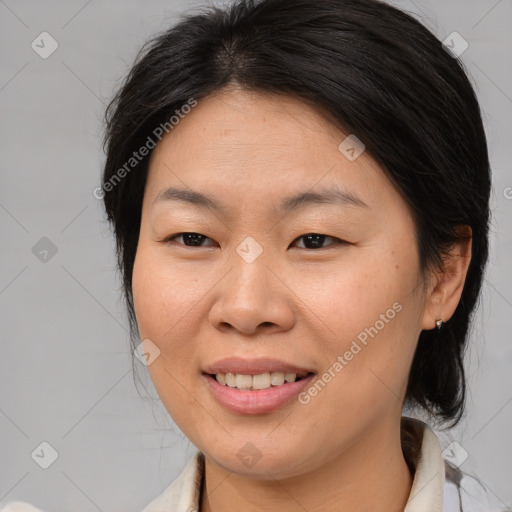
x=439 y=324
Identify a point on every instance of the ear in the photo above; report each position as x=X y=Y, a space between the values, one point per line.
x=445 y=287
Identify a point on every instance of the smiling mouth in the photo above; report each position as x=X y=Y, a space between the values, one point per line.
x=262 y=381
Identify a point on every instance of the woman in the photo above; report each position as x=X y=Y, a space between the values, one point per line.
x=299 y=192
x=313 y=205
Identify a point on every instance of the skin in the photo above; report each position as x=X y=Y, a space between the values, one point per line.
x=197 y=304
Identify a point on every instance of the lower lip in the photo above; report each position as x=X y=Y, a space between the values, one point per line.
x=260 y=401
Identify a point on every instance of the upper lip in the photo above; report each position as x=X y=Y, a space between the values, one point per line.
x=254 y=366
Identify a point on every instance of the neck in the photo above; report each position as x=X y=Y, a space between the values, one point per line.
x=371 y=476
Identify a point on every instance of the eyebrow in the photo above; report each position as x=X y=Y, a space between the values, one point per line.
x=327 y=195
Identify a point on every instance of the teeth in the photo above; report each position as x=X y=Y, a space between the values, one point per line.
x=243 y=381
x=260 y=381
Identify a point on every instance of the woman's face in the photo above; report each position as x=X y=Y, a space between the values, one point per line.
x=347 y=306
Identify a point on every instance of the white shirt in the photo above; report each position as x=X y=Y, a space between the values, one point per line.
x=436 y=487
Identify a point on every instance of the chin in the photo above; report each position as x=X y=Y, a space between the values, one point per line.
x=265 y=464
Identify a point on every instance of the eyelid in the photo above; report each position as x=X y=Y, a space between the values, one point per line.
x=338 y=241
x=169 y=239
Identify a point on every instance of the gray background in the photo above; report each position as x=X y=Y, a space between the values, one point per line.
x=66 y=363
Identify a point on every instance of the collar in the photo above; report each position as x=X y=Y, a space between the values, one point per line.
x=422 y=452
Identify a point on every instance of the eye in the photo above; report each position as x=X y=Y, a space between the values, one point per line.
x=311 y=240
x=189 y=239
x=315 y=240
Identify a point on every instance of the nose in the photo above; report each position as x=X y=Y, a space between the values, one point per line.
x=253 y=298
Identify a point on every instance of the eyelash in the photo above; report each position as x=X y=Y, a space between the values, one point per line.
x=171 y=238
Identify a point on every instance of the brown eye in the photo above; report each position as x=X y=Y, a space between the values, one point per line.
x=311 y=240
x=316 y=240
x=189 y=239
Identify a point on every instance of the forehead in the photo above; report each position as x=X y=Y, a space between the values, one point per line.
x=244 y=145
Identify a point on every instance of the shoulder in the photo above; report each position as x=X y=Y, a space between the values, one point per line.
x=463 y=492
x=436 y=479
x=183 y=494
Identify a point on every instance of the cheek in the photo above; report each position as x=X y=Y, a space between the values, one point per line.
x=370 y=317
x=163 y=295
x=352 y=294
x=164 y=304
